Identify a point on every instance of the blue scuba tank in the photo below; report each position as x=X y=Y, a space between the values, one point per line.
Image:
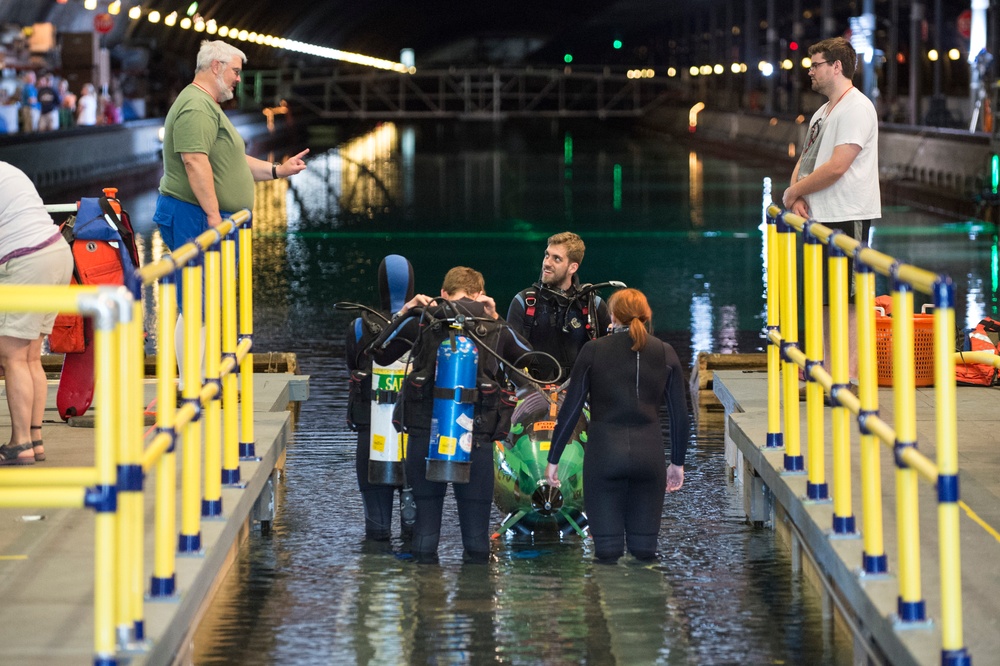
x=450 y=450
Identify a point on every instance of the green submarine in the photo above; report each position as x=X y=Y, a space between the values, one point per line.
x=520 y=490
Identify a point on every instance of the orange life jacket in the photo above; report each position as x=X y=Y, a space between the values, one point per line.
x=979 y=339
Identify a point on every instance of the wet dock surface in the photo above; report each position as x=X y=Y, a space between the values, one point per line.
x=873 y=599
x=47 y=555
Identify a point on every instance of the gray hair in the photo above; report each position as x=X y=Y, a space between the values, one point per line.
x=218 y=50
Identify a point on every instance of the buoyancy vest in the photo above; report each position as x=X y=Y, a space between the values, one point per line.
x=362 y=331
x=560 y=307
x=493 y=395
x=104 y=253
x=983 y=338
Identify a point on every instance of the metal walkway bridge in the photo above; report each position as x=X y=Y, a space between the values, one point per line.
x=468 y=94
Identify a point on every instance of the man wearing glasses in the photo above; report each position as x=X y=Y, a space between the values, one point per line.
x=835 y=180
x=207 y=174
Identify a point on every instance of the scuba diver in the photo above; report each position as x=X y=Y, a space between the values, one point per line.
x=376 y=478
x=456 y=401
x=557 y=314
x=627 y=376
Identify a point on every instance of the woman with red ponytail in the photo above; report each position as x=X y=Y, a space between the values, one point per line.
x=626 y=376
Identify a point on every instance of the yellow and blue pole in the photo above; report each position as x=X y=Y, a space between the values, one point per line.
x=812 y=256
x=247 y=437
x=211 y=505
x=115 y=365
x=840 y=418
x=103 y=498
x=953 y=651
x=911 y=607
x=230 y=388
x=189 y=540
x=130 y=476
x=874 y=559
x=163 y=583
x=790 y=339
x=133 y=476
x=774 y=435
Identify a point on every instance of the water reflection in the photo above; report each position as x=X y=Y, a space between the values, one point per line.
x=696 y=190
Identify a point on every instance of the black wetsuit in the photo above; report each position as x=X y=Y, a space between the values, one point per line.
x=474 y=499
x=378 y=499
x=558 y=326
x=624 y=470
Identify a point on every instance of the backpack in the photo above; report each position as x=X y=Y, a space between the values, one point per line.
x=104 y=252
x=982 y=338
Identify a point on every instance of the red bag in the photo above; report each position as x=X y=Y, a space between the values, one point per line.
x=980 y=340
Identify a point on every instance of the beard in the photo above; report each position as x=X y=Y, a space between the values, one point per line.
x=225 y=92
x=554 y=279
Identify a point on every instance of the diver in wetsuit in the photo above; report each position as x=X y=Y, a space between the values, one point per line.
x=553 y=315
x=396 y=287
x=462 y=295
x=627 y=376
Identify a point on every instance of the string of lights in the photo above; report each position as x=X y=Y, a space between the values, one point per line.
x=192 y=20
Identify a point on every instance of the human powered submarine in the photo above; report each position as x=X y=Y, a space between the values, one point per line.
x=520 y=490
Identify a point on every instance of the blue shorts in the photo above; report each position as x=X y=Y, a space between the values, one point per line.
x=179 y=223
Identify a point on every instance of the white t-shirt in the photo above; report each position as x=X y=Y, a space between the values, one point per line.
x=24 y=222
x=86 y=113
x=856 y=194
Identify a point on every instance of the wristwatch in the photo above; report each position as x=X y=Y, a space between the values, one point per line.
x=274 y=170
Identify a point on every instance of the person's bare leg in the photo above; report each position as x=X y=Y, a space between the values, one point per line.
x=20 y=389
x=40 y=386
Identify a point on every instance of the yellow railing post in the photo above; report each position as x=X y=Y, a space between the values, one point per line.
x=953 y=649
x=775 y=438
x=189 y=540
x=230 y=388
x=133 y=475
x=812 y=257
x=247 y=437
x=790 y=336
x=874 y=559
x=163 y=582
x=211 y=505
x=104 y=497
x=128 y=386
x=840 y=419
x=911 y=606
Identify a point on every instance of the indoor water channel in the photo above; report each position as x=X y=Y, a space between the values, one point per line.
x=683 y=227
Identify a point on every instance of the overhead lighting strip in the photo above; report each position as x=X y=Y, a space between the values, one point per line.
x=199 y=24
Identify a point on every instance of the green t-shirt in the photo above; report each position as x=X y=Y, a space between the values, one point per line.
x=196 y=124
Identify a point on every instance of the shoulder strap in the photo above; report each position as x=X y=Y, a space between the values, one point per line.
x=124 y=228
x=530 y=299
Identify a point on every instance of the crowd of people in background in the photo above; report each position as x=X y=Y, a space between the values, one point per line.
x=46 y=102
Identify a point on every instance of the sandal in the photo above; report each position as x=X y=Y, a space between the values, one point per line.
x=10 y=454
x=38 y=446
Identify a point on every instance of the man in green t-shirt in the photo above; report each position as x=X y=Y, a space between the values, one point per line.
x=207 y=174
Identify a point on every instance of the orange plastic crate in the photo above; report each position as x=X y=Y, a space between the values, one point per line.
x=923 y=349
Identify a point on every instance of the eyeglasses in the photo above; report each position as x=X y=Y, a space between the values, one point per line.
x=236 y=70
x=815 y=64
